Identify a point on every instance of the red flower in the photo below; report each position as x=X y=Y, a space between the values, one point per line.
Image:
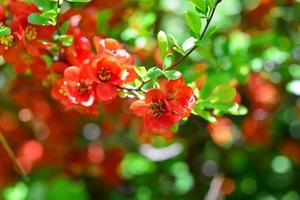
x=2 y=14
x=107 y=73
x=164 y=107
x=180 y=96
x=29 y=35
x=59 y=92
x=113 y=48
x=80 y=51
x=22 y=61
x=156 y=110
x=80 y=87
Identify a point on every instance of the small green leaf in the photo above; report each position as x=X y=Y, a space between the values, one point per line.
x=193 y=20
x=79 y=1
x=64 y=27
x=149 y=85
x=141 y=71
x=168 y=61
x=204 y=114
x=102 y=18
x=4 y=31
x=223 y=93
x=51 y=15
x=201 y=5
x=172 y=74
x=211 y=31
x=66 y=40
x=163 y=43
x=175 y=128
x=212 y=3
x=43 y=5
x=35 y=18
x=154 y=72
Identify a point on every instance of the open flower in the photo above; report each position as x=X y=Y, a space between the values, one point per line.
x=166 y=106
x=80 y=88
x=180 y=96
x=156 y=110
x=107 y=73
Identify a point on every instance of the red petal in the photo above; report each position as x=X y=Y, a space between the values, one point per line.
x=72 y=73
x=158 y=123
x=106 y=91
x=139 y=107
x=97 y=44
x=154 y=95
x=172 y=84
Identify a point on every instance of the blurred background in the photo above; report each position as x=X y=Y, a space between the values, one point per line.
x=69 y=155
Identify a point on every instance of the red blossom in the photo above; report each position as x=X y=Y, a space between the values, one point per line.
x=80 y=88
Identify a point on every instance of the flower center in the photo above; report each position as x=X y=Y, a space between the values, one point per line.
x=7 y=40
x=62 y=90
x=157 y=108
x=172 y=95
x=104 y=74
x=83 y=87
x=30 y=33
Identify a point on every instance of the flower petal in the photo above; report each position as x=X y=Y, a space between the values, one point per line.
x=106 y=91
x=139 y=107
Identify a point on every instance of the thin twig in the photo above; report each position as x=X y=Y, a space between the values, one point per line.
x=12 y=157
x=201 y=37
x=215 y=187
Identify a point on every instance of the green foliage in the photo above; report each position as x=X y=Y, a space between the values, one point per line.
x=4 y=31
x=193 y=20
x=163 y=43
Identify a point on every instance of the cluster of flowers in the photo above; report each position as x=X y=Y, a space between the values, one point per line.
x=87 y=77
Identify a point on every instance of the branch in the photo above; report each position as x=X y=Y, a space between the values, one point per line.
x=12 y=156
x=201 y=37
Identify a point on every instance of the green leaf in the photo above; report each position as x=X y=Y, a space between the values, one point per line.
x=4 y=31
x=43 y=5
x=193 y=20
x=102 y=18
x=201 y=5
x=51 y=15
x=141 y=71
x=175 y=128
x=211 y=31
x=79 y=1
x=163 y=43
x=35 y=18
x=204 y=114
x=168 y=61
x=231 y=106
x=154 y=72
x=223 y=93
x=66 y=40
x=64 y=27
x=172 y=74
x=212 y=3
x=149 y=85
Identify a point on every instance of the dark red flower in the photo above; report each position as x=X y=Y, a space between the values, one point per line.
x=156 y=110
x=80 y=87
